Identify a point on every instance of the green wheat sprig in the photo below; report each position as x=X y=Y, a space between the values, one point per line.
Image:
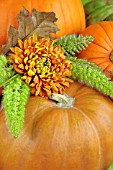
x=6 y=70
x=73 y=44
x=90 y=74
x=15 y=96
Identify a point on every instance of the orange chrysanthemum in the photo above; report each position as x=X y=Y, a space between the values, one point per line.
x=43 y=66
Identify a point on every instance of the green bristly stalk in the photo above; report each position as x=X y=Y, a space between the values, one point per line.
x=84 y=71
x=15 y=97
x=6 y=70
x=91 y=75
x=73 y=44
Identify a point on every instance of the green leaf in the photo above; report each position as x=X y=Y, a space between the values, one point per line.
x=16 y=94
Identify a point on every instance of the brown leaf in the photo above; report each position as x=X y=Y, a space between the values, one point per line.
x=40 y=22
x=12 y=40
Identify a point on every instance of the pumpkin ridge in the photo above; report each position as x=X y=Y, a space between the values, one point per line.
x=71 y=16
x=105 y=68
x=61 y=6
x=41 y=108
x=110 y=43
x=95 y=60
x=111 y=25
x=7 y=156
x=66 y=144
x=102 y=66
x=103 y=50
x=35 y=121
x=101 y=62
x=95 y=131
x=78 y=7
x=109 y=68
x=100 y=45
x=105 y=40
x=100 y=57
x=93 y=32
x=83 y=94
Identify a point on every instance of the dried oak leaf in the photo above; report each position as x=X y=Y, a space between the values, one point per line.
x=40 y=22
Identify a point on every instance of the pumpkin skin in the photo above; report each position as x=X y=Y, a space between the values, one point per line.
x=70 y=14
x=100 y=51
x=61 y=138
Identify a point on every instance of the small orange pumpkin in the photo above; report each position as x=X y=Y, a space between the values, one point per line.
x=54 y=138
x=70 y=14
x=100 y=51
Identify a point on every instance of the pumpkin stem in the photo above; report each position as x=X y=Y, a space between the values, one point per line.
x=62 y=100
x=111 y=56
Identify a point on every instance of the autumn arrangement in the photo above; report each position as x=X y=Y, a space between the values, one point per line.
x=53 y=84
x=41 y=66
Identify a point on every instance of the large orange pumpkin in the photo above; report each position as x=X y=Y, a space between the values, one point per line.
x=70 y=14
x=101 y=50
x=54 y=138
